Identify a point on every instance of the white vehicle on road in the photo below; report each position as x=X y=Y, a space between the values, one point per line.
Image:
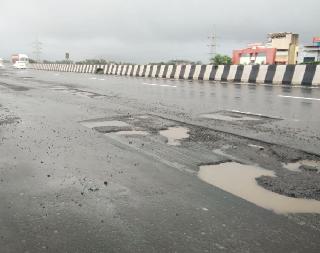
x=20 y=61
x=1 y=64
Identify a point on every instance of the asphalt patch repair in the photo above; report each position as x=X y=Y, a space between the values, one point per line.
x=14 y=87
x=304 y=184
x=242 y=118
x=76 y=91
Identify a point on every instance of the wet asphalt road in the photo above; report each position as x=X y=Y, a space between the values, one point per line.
x=68 y=188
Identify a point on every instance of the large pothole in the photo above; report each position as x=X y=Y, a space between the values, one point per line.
x=240 y=180
x=175 y=134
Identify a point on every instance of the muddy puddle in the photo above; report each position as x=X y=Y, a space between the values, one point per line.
x=296 y=166
x=175 y=134
x=109 y=123
x=225 y=117
x=239 y=180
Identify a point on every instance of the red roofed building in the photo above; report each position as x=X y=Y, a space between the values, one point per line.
x=254 y=54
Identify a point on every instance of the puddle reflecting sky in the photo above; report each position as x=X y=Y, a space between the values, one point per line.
x=133 y=132
x=174 y=134
x=110 y=123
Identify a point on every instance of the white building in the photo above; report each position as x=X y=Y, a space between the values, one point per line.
x=20 y=61
x=310 y=53
x=287 y=45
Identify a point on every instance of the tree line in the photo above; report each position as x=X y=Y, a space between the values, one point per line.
x=217 y=60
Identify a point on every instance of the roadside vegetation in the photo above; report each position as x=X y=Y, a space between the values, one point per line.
x=220 y=59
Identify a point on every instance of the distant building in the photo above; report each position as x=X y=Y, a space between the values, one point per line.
x=287 y=45
x=281 y=48
x=19 y=57
x=254 y=54
x=20 y=61
x=311 y=53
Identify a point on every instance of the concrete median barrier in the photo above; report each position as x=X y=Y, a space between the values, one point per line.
x=305 y=75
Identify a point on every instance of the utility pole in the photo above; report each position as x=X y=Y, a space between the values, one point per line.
x=212 y=45
x=37 y=49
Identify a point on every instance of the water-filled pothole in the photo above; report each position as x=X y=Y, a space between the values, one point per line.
x=132 y=133
x=306 y=164
x=175 y=134
x=240 y=180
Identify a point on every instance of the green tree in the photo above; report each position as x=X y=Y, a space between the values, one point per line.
x=221 y=60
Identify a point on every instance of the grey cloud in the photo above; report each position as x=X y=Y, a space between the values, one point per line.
x=147 y=30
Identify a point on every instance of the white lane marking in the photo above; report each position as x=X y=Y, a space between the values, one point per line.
x=162 y=85
x=315 y=99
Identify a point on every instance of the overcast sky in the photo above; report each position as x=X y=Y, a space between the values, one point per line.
x=145 y=31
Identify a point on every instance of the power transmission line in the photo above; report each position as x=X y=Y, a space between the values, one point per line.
x=212 y=45
x=37 y=49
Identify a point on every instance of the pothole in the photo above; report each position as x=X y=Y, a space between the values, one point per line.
x=59 y=88
x=143 y=117
x=234 y=115
x=175 y=134
x=83 y=93
x=132 y=133
x=255 y=146
x=77 y=92
x=225 y=117
x=109 y=123
x=307 y=165
x=240 y=180
x=14 y=87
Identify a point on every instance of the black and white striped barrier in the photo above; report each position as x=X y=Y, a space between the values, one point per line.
x=268 y=74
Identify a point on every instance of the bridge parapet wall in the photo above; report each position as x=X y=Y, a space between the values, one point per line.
x=306 y=75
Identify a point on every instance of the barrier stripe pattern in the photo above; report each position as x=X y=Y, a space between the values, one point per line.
x=306 y=75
